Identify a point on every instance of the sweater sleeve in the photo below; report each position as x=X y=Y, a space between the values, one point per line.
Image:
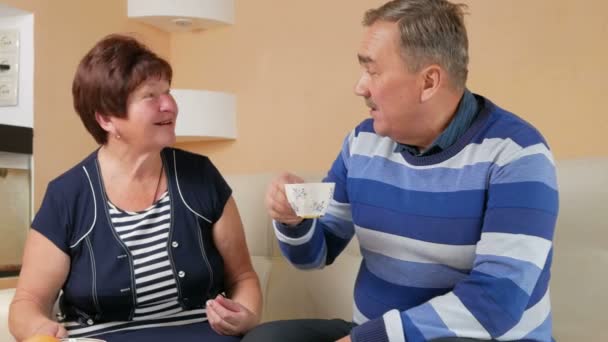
x=505 y=296
x=316 y=243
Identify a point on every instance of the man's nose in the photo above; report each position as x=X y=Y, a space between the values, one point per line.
x=361 y=88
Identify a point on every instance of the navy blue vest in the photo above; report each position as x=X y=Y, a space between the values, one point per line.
x=100 y=286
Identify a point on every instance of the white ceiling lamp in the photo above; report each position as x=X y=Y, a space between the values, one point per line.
x=204 y=115
x=182 y=15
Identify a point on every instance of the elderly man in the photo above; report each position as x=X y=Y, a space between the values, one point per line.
x=452 y=198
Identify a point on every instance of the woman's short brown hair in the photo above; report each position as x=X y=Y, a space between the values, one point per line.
x=106 y=76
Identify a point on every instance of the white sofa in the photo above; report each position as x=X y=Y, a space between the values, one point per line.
x=578 y=289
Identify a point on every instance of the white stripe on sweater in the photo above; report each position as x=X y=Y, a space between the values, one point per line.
x=118 y=325
x=145 y=250
x=162 y=236
x=403 y=248
x=531 y=319
x=146 y=298
x=394 y=326
x=528 y=248
x=496 y=150
x=148 y=231
x=458 y=318
x=340 y=210
x=148 y=268
x=150 y=258
x=358 y=317
x=125 y=228
x=141 y=216
x=153 y=276
x=148 y=288
x=295 y=241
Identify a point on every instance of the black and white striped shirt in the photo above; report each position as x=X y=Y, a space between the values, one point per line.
x=146 y=235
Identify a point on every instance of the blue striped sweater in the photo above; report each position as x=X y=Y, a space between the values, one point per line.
x=456 y=244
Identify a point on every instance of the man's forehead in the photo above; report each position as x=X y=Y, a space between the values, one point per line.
x=376 y=37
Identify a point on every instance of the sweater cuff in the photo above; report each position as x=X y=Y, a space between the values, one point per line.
x=293 y=232
x=371 y=331
x=387 y=328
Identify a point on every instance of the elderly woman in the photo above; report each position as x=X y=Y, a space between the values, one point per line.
x=144 y=240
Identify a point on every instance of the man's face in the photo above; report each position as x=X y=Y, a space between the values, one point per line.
x=390 y=90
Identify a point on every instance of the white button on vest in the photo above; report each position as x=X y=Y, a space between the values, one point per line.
x=90 y=321
x=181 y=274
x=175 y=244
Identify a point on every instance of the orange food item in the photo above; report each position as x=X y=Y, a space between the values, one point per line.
x=42 y=338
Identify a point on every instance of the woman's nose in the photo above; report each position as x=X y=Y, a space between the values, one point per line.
x=168 y=103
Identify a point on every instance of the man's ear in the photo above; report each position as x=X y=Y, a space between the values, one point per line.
x=432 y=77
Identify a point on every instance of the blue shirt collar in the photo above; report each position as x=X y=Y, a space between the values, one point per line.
x=462 y=120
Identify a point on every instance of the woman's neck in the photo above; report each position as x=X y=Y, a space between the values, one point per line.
x=129 y=163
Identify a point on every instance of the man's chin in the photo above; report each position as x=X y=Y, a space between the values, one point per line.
x=380 y=129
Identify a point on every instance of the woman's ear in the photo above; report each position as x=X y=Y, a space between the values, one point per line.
x=431 y=80
x=106 y=122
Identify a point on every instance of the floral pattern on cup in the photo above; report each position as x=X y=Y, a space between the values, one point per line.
x=309 y=200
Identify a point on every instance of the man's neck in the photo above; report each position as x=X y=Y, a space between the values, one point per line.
x=440 y=113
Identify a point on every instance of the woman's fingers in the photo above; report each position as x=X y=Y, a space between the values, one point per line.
x=218 y=324
x=229 y=317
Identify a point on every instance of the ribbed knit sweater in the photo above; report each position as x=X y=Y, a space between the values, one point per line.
x=457 y=243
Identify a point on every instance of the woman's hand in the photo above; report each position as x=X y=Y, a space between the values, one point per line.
x=228 y=317
x=51 y=328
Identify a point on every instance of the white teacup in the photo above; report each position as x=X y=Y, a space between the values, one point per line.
x=310 y=200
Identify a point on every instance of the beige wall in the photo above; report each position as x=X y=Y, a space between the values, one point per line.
x=546 y=61
x=292 y=66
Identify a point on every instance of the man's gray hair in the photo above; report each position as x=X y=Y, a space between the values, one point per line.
x=432 y=31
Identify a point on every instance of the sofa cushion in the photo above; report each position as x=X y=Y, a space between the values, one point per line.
x=579 y=277
x=6 y=296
